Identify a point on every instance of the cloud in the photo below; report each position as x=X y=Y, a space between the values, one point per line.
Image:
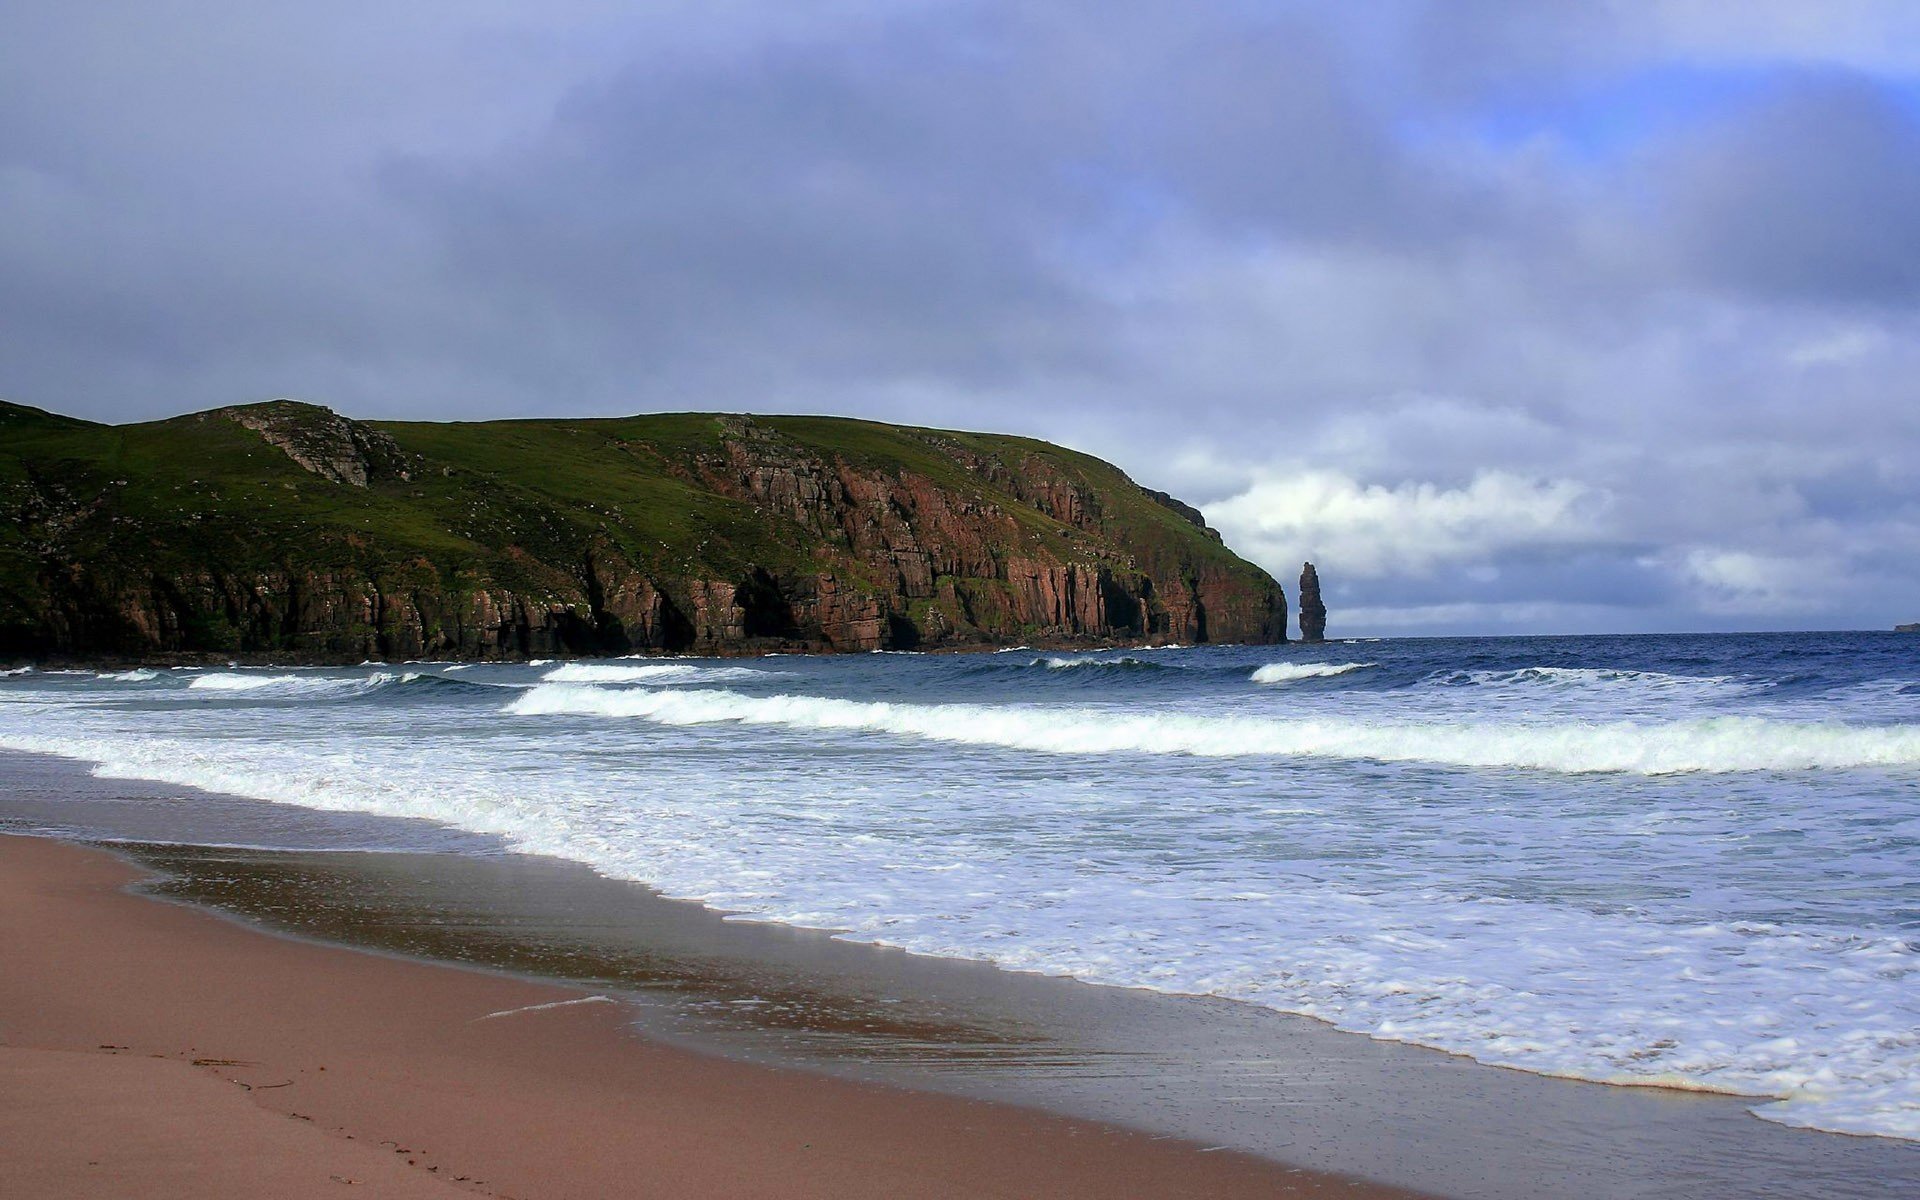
x=1510 y=314
x=1739 y=581
x=1807 y=194
x=1841 y=346
x=1538 y=616
x=1369 y=530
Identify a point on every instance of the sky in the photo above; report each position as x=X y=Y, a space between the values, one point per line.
x=1515 y=316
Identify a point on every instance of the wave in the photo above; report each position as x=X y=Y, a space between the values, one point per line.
x=224 y=682
x=582 y=672
x=303 y=687
x=1716 y=744
x=137 y=675
x=440 y=685
x=1288 y=672
x=1125 y=663
x=1572 y=678
x=1794 y=1014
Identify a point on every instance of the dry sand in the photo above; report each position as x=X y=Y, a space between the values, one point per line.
x=151 y=1050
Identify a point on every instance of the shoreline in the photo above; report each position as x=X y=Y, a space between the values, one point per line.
x=1199 y=1070
x=1204 y=1071
x=280 y=660
x=450 y=1069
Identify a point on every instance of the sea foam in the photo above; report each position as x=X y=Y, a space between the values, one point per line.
x=240 y=685
x=596 y=672
x=1288 y=672
x=1719 y=744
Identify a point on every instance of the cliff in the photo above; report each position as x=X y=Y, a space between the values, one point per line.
x=285 y=530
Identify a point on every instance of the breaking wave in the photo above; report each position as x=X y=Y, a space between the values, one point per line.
x=238 y=685
x=580 y=672
x=1714 y=744
x=1125 y=663
x=1579 y=678
x=1288 y=672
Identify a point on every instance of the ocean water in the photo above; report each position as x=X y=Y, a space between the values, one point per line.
x=1689 y=861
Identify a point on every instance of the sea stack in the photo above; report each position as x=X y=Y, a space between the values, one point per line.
x=1313 y=613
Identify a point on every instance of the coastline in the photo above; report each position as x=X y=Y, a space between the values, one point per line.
x=284 y=660
x=460 y=1073
x=1197 y=1070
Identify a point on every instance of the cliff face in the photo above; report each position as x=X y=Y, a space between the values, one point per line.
x=286 y=530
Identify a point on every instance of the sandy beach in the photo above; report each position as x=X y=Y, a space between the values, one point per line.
x=151 y=1049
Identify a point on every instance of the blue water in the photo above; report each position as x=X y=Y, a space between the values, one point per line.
x=1689 y=861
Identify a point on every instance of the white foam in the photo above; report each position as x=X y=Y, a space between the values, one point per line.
x=137 y=675
x=1288 y=672
x=1710 y=744
x=1574 y=678
x=1064 y=664
x=16 y=671
x=584 y=672
x=296 y=686
x=1822 y=1022
x=240 y=683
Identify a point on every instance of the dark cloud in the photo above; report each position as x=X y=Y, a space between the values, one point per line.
x=877 y=210
x=1811 y=194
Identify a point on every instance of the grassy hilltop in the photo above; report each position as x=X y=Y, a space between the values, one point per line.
x=283 y=529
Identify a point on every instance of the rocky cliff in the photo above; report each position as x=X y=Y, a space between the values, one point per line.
x=1313 y=612
x=285 y=530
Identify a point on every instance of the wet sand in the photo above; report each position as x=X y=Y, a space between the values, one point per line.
x=156 y=1050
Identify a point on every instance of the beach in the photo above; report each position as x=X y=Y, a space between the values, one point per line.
x=153 y=1050
x=1164 y=892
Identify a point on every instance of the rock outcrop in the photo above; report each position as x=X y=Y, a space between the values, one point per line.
x=1913 y=628
x=286 y=531
x=321 y=441
x=1313 y=612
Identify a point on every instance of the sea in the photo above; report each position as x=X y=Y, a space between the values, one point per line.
x=1675 y=861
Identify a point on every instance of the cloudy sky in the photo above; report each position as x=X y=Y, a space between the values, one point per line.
x=1514 y=315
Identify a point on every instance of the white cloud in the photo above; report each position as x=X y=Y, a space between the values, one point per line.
x=1740 y=582
x=1840 y=347
x=1867 y=35
x=1528 y=616
x=1361 y=530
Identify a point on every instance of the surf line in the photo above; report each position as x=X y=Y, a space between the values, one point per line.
x=508 y=1012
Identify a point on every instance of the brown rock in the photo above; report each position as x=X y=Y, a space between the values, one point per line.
x=1313 y=612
